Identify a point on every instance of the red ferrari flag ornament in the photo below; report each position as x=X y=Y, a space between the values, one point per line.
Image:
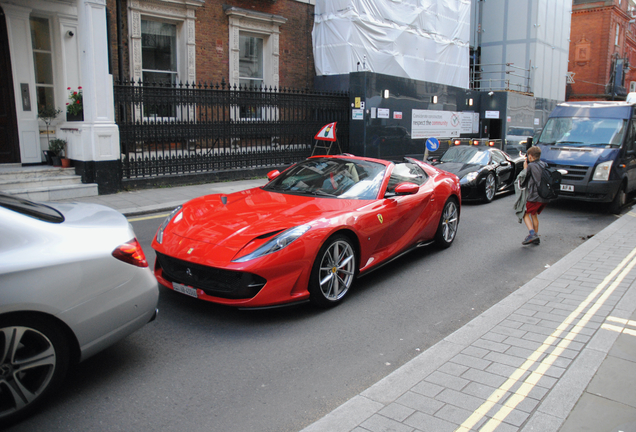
x=327 y=133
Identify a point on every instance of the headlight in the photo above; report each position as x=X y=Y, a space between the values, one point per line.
x=165 y=224
x=469 y=177
x=602 y=171
x=277 y=243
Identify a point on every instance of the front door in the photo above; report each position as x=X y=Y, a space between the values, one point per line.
x=9 y=148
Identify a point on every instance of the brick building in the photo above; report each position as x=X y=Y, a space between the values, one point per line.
x=240 y=42
x=602 y=48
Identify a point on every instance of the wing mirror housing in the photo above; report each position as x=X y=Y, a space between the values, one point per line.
x=406 y=188
x=272 y=175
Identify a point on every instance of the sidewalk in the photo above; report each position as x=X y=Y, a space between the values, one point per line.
x=559 y=354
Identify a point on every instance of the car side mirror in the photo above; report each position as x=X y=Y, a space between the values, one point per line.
x=272 y=175
x=406 y=188
x=504 y=163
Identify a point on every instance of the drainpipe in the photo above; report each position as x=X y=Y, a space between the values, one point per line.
x=120 y=46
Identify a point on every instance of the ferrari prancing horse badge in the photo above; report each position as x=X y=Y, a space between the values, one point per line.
x=380 y=218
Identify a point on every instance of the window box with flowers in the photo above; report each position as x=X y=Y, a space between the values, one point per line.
x=75 y=108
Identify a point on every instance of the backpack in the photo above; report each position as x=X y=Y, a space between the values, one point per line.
x=550 y=183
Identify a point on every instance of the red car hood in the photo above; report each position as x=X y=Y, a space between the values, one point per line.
x=250 y=214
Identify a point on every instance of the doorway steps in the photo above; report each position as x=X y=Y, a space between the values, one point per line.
x=43 y=182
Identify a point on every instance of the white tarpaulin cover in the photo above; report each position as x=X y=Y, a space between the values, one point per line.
x=425 y=40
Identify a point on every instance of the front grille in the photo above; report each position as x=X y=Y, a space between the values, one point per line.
x=575 y=172
x=213 y=281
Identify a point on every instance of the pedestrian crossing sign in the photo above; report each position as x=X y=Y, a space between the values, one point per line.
x=327 y=133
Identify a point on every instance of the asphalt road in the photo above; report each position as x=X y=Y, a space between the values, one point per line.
x=202 y=367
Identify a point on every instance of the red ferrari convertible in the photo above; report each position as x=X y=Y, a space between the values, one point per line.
x=308 y=233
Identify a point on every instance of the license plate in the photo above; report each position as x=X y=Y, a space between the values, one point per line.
x=567 y=188
x=183 y=289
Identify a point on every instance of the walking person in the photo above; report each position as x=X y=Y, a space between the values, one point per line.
x=535 y=204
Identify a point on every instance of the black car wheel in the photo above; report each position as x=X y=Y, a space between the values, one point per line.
x=448 y=223
x=333 y=272
x=489 y=188
x=34 y=357
x=620 y=199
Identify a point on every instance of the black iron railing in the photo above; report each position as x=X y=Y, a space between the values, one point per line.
x=170 y=129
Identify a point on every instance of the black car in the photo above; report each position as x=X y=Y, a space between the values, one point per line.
x=483 y=171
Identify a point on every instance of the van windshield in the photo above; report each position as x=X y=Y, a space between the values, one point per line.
x=583 y=132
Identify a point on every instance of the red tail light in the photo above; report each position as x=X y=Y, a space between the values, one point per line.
x=131 y=253
x=457 y=142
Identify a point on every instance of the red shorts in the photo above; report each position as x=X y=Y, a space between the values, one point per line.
x=534 y=207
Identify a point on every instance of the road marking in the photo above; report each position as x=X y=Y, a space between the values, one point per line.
x=624 y=268
x=162 y=215
x=620 y=328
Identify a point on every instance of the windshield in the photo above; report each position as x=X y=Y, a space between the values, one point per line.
x=330 y=177
x=467 y=155
x=583 y=132
x=29 y=208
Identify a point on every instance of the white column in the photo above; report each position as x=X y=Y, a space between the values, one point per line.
x=99 y=133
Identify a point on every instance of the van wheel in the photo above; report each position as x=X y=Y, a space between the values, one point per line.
x=620 y=199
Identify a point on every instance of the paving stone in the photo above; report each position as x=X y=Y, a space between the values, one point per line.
x=470 y=361
x=475 y=352
x=525 y=311
x=453 y=368
x=427 y=423
x=522 y=343
x=459 y=399
x=524 y=319
x=492 y=346
x=427 y=389
x=494 y=337
x=396 y=412
x=511 y=324
x=419 y=402
x=378 y=423
x=454 y=414
x=484 y=377
x=446 y=380
x=506 y=359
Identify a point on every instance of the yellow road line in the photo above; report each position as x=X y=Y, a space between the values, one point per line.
x=535 y=376
x=162 y=215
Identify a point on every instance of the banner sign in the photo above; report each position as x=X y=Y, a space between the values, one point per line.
x=442 y=124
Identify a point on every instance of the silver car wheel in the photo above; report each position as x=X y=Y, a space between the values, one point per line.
x=450 y=220
x=489 y=187
x=337 y=270
x=27 y=364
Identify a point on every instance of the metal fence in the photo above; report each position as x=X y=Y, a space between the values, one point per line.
x=170 y=129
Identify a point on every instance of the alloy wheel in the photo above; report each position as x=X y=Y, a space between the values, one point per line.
x=450 y=221
x=337 y=270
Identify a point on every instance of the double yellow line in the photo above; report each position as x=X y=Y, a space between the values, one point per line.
x=531 y=381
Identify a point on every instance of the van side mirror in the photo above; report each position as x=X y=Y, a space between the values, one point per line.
x=528 y=143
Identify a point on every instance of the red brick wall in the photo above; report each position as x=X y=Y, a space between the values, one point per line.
x=296 y=63
x=596 y=23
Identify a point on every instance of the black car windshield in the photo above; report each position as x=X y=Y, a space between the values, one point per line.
x=29 y=208
x=331 y=177
x=583 y=132
x=467 y=155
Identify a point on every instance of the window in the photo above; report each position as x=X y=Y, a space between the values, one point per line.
x=159 y=62
x=158 y=52
x=618 y=32
x=43 y=62
x=250 y=61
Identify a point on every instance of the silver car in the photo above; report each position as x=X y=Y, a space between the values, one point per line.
x=73 y=280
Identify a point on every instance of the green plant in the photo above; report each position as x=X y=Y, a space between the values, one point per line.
x=47 y=115
x=57 y=146
x=75 y=106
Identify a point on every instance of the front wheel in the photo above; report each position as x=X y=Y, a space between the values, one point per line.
x=333 y=272
x=34 y=357
x=620 y=199
x=448 y=223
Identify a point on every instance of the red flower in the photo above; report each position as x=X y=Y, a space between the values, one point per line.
x=67 y=103
x=68 y=88
x=77 y=102
x=79 y=88
x=74 y=93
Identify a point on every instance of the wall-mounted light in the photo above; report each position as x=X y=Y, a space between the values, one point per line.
x=434 y=99
x=491 y=93
x=385 y=94
x=70 y=34
x=470 y=102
